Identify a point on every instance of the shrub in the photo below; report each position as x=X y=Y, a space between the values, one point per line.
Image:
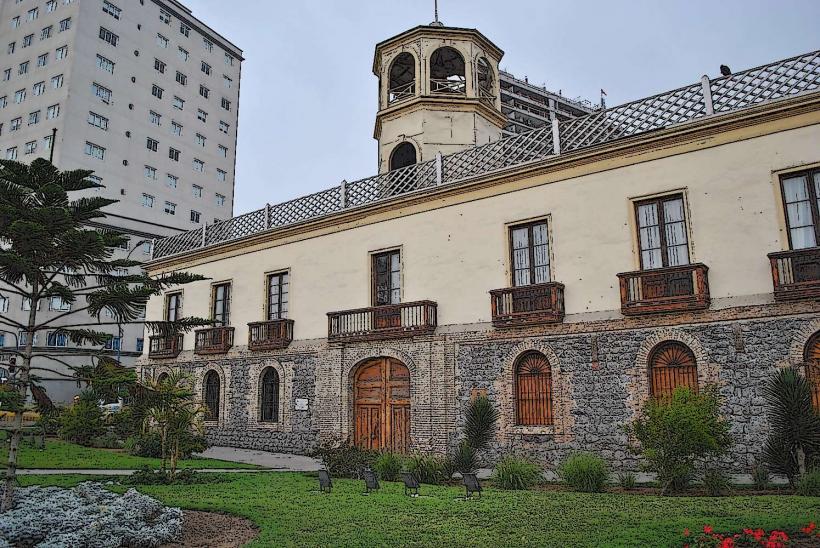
x=627 y=480
x=388 y=466
x=465 y=458
x=49 y=421
x=677 y=432
x=147 y=476
x=109 y=440
x=760 y=476
x=343 y=459
x=516 y=473
x=480 y=423
x=809 y=484
x=427 y=469
x=149 y=444
x=584 y=472
x=83 y=421
x=716 y=482
x=124 y=423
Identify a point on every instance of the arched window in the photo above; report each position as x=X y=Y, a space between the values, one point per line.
x=402 y=78
x=811 y=358
x=447 y=71
x=211 y=395
x=402 y=156
x=533 y=390
x=672 y=364
x=163 y=377
x=269 y=396
x=485 y=80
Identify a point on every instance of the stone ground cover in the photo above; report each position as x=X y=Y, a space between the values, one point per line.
x=64 y=455
x=289 y=511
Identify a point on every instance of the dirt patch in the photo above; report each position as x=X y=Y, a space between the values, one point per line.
x=214 y=530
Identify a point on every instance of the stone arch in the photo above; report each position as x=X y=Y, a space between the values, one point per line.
x=799 y=341
x=402 y=77
x=485 y=78
x=161 y=370
x=255 y=371
x=404 y=154
x=448 y=71
x=224 y=389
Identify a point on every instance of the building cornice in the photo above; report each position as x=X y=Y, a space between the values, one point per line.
x=439 y=104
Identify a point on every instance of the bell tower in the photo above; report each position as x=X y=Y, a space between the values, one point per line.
x=438 y=92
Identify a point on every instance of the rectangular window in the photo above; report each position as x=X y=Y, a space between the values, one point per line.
x=185 y=30
x=7 y=75
x=140 y=344
x=16 y=123
x=173 y=307
x=801 y=197
x=33 y=14
x=3 y=101
x=105 y=64
x=229 y=59
x=10 y=49
x=65 y=24
x=37 y=89
x=223 y=127
x=227 y=81
x=173 y=154
x=108 y=36
x=208 y=45
x=61 y=52
x=53 y=112
x=57 y=83
x=47 y=146
x=183 y=53
x=221 y=175
x=530 y=255
x=199 y=165
x=221 y=304
x=46 y=32
x=220 y=200
x=178 y=103
x=196 y=190
x=162 y=41
x=159 y=66
x=386 y=278
x=206 y=68
x=34 y=118
x=662 y=234
x=31 y=147
x=154 y=118
x=97 y=120
x=278 y=296
x=22 y=339
x=102 y=92
x=170 y=208
x=11 y=153
x=42 y=60
x=200 y=139
x=111 y=9
x=51 y=5
x=226 y=104
x=223 y=151
x=26 y=304
x=57 y=303
x=195 y=216
x=23 y=69
x=171 y=180
x=201 y=115
x=164 y=16
x=4 y=304
x=19 y=96
x=156 y=91
x=176 y=129
x=147 y=200
x=113 y=343
x=203 y=91
x=151 y=144
x=15 y=22
x=95 y=151
x=151 y=173
x=182 y=79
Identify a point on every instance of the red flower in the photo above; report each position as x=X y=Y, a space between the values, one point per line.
x=758 y=534
x=727 y=543
x=779 y=536
x=747 y=531
x=707 y=529
x=686 y=532
x=808 y=529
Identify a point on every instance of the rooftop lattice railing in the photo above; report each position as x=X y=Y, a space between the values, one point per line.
x=741 y=90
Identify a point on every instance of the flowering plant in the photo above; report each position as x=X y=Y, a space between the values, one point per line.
x=751 y=537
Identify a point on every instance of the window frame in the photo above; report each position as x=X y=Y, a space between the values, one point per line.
x=664 y=248
x=173 y=301
x=813 y=196
x=374 y=290
x=529 y=225
x=284 y=278
x=225 y=320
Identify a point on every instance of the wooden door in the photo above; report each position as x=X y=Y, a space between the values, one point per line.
x=382 y=405
x=812 y=360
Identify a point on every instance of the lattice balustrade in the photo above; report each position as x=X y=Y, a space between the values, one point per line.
x=180 y=243
x=307 y=207
x=238 y=227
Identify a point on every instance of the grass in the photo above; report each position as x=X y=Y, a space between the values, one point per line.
x=290 y=512
x=64 y=455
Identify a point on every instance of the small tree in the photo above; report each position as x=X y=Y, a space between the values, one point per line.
x=675 y=433
x=794 y=440
x=48 y=250
x=479 y=428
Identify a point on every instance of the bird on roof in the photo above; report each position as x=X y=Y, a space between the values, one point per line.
x=726 y=71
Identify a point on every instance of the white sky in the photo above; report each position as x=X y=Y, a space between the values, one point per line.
x=308 y=96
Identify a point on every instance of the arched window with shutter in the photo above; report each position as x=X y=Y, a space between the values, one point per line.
x=269 y=396
x=811 y=359
x=672 y=364
x=212 y=395
x=533 y=390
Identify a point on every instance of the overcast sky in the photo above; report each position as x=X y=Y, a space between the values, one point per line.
x=308 y=96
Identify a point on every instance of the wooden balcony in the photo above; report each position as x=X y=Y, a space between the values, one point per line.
x=270 y=335
x=528 y=305
x=382 y=322
x=660 y=290
x=160 y=348
x=214 y=340
x=796 y=274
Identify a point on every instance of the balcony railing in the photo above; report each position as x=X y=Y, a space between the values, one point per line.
x=443 y=85
x=671 y=289
x=382 y=322
x=270 y=335
x=527 y=305
x=214 y=340
x=401 y=92
x=796 y=274
x=164 y=347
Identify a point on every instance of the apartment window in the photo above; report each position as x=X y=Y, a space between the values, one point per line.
x=150 y=173
x=65 y=24
x=171 y=180
x=15 y=22
x=226 y=104
x=173 y=307
x=95 y=151
x=183 y=53
x=159 y=66
x=156 y=91
x=46 y=32
x=42 y=60
x=23 y=69
x=34 y=117
x=105 y=64
x=10 y=49
x=154 y=118
x=221 y=304
x=164 y=16
x=182 y=79
x=196 y=190
x=27 y=40
x=147 y=200
x=208 y=45
x=51 y=5
x=57 y=83
x=662 y=232
x=53 y=112
x=223 y=151
x=111 y=10
x=228 y=82
x=173 y=154
x=530 y=257
x=200 y=139
x=206 y=68
x=11 y=153
x=57 y=303
x=19 y=96
x=220 y=200
x=3 y=101
x=170 y=208
x=162 y=41
x=205 y=92
x=221 y=175
x=108 y=36
x=386 y=278
x=22 y=339
x=178 y=102
x=47 y=146
x=7 y=75
x=199 y=165
x=151 y=144
x=201 y=115
x=176 y=129
x=4 y=304
x=113 y=344
x=229 y=59
x=16 y=123
x=31 y=147
x=801 y=196
x=100 y=91
x=61 y=52
x=98 y=120
x=278 y=296
x=195 y=216
x=33 y=14
x=140 y=344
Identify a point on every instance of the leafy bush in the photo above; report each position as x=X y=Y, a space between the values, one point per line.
x=388 y=466
x=794 y=441
x=465 y=458
x=343 y=459
x=147 y=476
x=109 y=440
x=83 y=421
x=49 y=421
x=584 y=472
x=427 y=469
x=480 y=423
x=627 y=480
x=716 y=482
x=124 y=423
x=809 y=484
x=150 y=445
x=677 y=432
x=516 y=473
x=760 y=476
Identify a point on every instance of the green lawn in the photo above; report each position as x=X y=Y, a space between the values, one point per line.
x=290 y=512
x=64 y=455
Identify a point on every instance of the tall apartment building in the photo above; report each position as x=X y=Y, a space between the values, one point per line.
x=143 y=93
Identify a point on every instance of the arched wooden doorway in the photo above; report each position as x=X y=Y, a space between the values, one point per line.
x=811 y=357
x=381 y=408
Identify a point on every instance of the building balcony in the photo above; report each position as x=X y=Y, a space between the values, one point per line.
x=528 y=305
x=160 y=348
x=214 y=340
x=391 y=321
x=796 y=274
x=660 y=290
x=270 y=335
